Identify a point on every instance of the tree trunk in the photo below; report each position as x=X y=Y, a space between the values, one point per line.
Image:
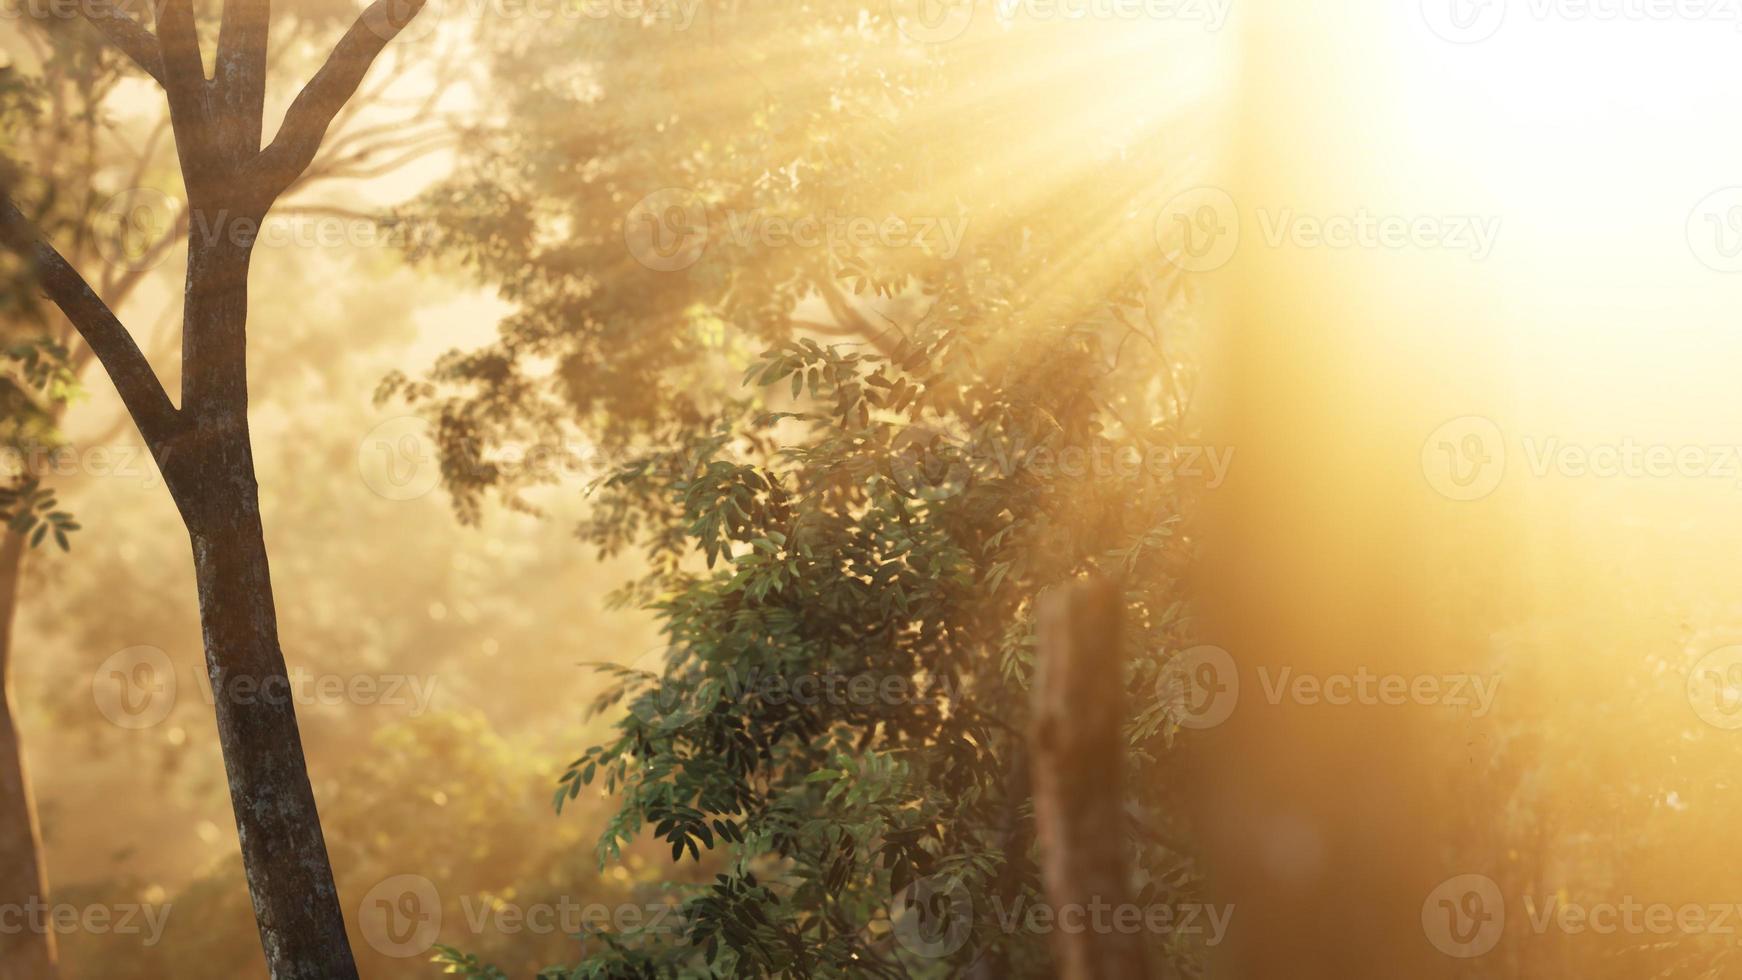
x=29 y=953
x=202 y=447
x=284 y=853
x=1079 y=780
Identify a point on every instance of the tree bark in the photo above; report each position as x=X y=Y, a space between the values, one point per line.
x=1079 y=778
x=28 y=954
x=284 y=853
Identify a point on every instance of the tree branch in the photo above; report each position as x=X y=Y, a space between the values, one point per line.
x=851 y=319
x=879 y=341
x=127 y=34
x=305 y=123
x=239 y=76
x=179 y=43
x=140 y=390
x=184 y=82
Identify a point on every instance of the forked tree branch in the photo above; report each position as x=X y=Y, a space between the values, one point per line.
x=140 y=389
x=305 y=123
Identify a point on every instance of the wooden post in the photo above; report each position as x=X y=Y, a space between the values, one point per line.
x=1079 y=791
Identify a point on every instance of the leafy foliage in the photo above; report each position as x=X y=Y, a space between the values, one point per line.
x=846 y=681
x=844 y=550
x=40 y=381
x=29 y=510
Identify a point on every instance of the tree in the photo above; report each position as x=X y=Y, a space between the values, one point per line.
x=883 y=500
x=368 y=588
x=202 y=447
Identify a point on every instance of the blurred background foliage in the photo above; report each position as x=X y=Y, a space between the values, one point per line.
x=738 y=465
x=768 y=458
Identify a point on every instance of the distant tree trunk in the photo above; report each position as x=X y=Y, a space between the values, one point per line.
x=1079 y=778
x=27 y=954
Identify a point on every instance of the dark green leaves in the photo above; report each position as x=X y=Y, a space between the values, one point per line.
x=30 y=510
